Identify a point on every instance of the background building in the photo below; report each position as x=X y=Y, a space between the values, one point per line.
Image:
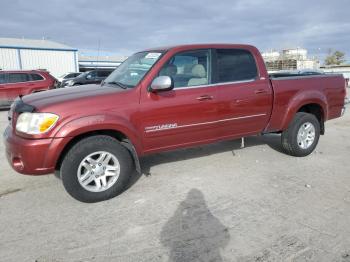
x=28 y=54
x=289 y=59
x=89 y=62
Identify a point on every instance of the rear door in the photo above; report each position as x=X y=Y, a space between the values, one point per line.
x=188 y=113
x=37 y=82
x=245 y=100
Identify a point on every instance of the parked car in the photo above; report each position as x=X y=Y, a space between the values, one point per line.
x=89 y=77
x=163 y=99
x=66 y=77
x=19 y=83
x=64 y=82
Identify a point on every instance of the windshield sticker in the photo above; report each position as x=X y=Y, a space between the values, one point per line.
x=153 y=55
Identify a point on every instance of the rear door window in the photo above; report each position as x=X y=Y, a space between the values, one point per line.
x=36 y=77
x=235 y=65
x=18 y=77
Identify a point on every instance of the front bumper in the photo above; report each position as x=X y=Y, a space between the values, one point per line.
x=30 y=156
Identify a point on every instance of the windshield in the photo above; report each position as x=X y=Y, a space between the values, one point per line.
x=132 y=70
x=84 y=74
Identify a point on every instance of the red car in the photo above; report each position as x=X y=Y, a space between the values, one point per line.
x=163 y=99
x=19 y=83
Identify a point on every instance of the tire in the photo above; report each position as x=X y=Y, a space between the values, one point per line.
x=289 y=138
x=90 y=148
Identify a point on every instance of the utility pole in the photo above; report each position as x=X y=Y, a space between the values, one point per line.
x=98 y=52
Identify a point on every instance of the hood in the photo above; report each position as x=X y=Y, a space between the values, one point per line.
x=68 y=94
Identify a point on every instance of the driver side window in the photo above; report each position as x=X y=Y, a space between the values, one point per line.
x=91 y=75
x=187 y=69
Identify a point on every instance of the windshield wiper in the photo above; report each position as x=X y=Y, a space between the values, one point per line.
x=116 y=83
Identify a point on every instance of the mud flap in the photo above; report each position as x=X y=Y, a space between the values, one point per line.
x=127 y=143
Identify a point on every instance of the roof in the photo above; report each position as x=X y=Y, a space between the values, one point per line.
x=198 y=46
x=39 y=44
x=24 y=71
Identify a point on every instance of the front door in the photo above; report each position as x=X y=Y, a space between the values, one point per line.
x=185 y=115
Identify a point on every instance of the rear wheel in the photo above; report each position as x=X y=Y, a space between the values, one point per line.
x=96 y=168
x=302 y=135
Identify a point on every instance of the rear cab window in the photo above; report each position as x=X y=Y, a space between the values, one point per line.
x=36 y=77
x=235 y=65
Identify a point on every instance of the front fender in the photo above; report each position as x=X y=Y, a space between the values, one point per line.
x=91 y=123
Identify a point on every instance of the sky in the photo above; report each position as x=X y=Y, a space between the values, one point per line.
x=124 y=27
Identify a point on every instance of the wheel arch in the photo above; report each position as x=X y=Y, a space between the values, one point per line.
x=118 y=135
x=309 y=102
x=316 y=110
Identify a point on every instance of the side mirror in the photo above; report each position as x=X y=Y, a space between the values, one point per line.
x=88 y=77
x=162 y=83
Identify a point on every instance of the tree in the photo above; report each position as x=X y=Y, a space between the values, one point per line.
x=335 y=58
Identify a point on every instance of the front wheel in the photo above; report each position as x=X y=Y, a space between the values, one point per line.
x=302 y=135
x=97 y=168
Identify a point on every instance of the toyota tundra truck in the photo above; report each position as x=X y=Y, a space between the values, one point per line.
x=163 y=99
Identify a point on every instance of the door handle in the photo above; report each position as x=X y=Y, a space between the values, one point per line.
x=204 y=97
x=260 y=91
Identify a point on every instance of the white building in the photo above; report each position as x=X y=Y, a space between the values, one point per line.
x=296 y=53
x=289 y=59
x=29 y=54
x=270 y=55
x=89 y=62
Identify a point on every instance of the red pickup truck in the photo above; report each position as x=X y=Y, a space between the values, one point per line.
x=162 y=99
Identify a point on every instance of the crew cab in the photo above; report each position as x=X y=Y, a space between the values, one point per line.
x=164 y=99
x=23 y=82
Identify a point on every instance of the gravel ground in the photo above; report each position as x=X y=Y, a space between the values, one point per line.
x=211 y=203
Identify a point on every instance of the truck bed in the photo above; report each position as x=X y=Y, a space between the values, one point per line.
x=292 y=91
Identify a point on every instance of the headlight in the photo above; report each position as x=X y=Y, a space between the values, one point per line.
x=35 y=123
x=69 y=83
